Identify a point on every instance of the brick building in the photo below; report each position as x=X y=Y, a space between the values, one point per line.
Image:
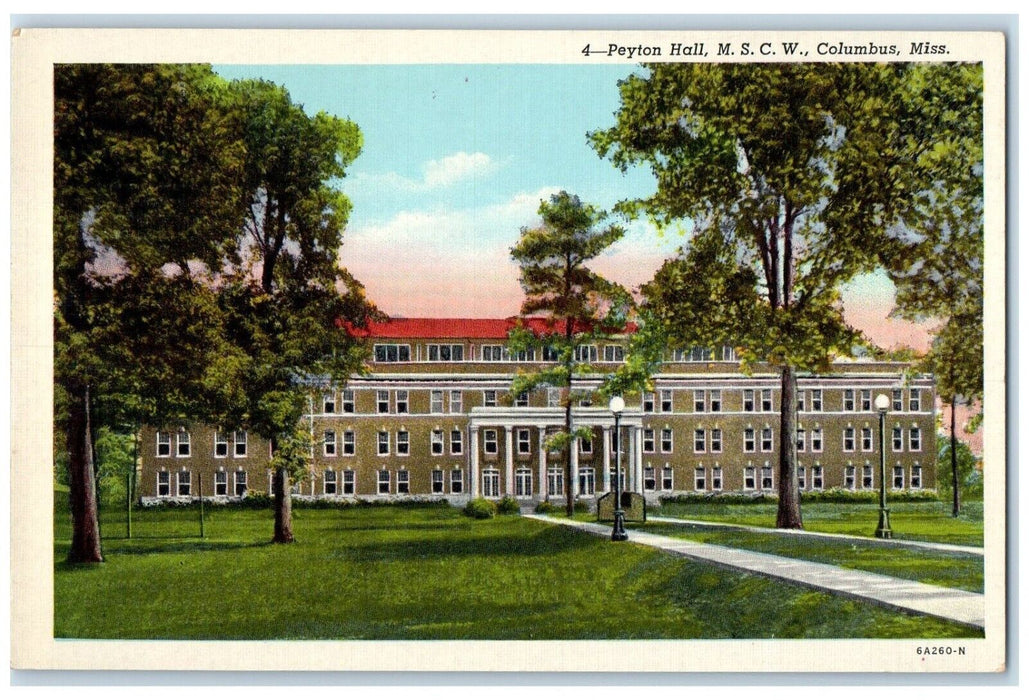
x=434 y=417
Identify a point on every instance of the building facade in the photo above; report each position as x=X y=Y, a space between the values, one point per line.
x=434 y=418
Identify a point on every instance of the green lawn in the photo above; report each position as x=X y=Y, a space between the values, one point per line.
x=427 y=573
x=926 y=521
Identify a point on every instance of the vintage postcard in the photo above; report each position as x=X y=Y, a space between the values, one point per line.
x=509 y=351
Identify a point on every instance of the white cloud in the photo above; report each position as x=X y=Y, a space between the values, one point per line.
x=436 y=174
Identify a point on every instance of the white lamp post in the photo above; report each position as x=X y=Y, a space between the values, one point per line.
x=618 y=534
x=883 y=531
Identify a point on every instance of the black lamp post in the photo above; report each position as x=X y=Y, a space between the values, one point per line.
x=882 y=402
x=618 y=534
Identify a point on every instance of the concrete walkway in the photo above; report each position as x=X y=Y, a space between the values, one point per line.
x=907 y=596
x=937 y=546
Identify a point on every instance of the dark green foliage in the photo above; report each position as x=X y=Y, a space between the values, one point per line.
x=480 y=509
x=545 y=507
x=970 y=477
x=827 y=496
x=508 y=506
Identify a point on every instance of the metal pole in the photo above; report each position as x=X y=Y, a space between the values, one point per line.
x=883 y=530
x=618 y=534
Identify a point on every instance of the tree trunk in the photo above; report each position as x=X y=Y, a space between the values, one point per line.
x=789 y=488
x=954 y=455
x=85 y=539
x=283 y=504
x=569 y=499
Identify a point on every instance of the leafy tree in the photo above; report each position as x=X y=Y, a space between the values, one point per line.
x=791 y=175
x=145 y=196
x=969 y=479
x=578 y=304
x=287 y=300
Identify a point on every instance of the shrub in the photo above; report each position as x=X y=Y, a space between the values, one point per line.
x=581 y=507
x=480 y=509
x=508 y=506
x=545 y=507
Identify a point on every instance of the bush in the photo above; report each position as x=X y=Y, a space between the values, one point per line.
x=544 y=507
x=581 y=507
x=508 y=506
x=480 y=509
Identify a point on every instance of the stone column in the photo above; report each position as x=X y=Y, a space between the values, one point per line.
x=543 y=465
x=607 y=461
x=473 y=451
x=574 y=458
x=508 y=461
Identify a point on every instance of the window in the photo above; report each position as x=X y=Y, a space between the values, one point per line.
x=553 y=397
x=649 y=479
x=766 y=439
x=163 y=484
x=648 y=402
x=349 y=446
x=523 y=482
x=403 y=481
x=666 y=439
x=866 y=439
x=329 y=482
x=848 y=439
x=490 y=482
x=455 y=401
x=716 y=478
x=489 y=441
x=329 y=441
x=801 y=478
x=915 y=439
x=866 y=477
x=241 y=483
x=436 y=442
x=666 y=479
x=586 y=445
x=403 y=442
x=749 y=478
x=522 y=400
x=382 y=480
x=445 y=353
x=714 y=397
x=329 y=403
x=437 y=481
x=492 y=353
x=801 y=440
x=766 y=400
x=456 y=481
x=898 y=399
x=389 y=352
x=436 y=401
x=898 y=477
x=816 y=477
x=766 y=478
x=898 y=439
x=699 y=479
x=716 y=440
x=866 y=399
x=585 y=353
x=221 y=444
x=349 y=482
x=748 y=400
x=816 y=399
x=456 y=442
x=182 y=444
x=383 y=443
x=401 y=400
x=848 y=478
x=347 y=399
x=587 y=400
x=489 y=398
x=555 y=481
x=614 y=353
x=916 y=477
x=666 y=400
x=816 y=440
x=185 y=477
x=848 y=399
x=382 y=401
x=700 y=440
x=914 y=399
x=648 y=440
x=240 y=443
x=800 y=402
x=748 y=440
x=221 y=484
x=701 y=355
x=728 y=353
x=551 y=354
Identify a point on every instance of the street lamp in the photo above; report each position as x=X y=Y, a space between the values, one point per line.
x=618 y=534
x=883 y=532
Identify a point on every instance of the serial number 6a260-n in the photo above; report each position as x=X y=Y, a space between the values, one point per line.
x=938 y=651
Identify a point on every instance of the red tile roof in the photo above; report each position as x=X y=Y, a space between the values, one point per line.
x=476 y=328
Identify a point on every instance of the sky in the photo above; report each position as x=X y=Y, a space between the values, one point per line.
x=456 y=160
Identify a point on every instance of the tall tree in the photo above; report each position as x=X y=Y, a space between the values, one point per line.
x=791 y=172
x=289 y=302
x=577 y=303
x=145 y=195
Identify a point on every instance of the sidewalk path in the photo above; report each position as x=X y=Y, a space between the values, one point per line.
x=938 y=546
x=908 y=596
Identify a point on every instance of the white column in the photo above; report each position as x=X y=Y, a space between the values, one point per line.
x=543 y=464
x=473 y=451
x=574 y=458
x=607 y=461
x=637 y=455
x=508 y=461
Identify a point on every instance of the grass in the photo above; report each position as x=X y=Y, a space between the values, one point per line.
x=427 y=573
x=924 y=522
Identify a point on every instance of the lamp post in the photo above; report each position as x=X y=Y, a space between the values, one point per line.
x=882 y=402
x=618 y=534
